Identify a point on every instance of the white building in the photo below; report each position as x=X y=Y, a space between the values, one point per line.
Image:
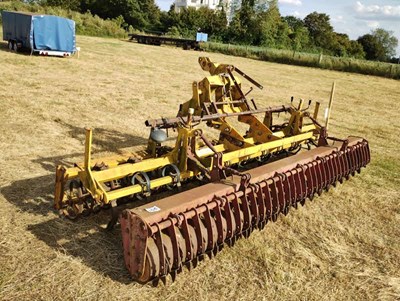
x=213 y=4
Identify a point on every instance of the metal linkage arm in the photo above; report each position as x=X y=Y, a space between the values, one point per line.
x=173 y=122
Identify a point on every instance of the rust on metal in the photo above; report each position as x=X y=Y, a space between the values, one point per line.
x=221 y=212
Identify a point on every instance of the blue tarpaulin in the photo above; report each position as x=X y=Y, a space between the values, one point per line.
x=201 y=37
x=39 y=32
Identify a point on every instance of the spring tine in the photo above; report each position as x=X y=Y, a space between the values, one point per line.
x=325 y=173
x=188 y=240
x=238 y=222
x=218 y=219
x=189 y=265
x=253 y=207
x=342 y=159
x=368 y=151
x=293 y=190
x=326 y=170
x=210 y=234
x=358 y=155
x=228 y=218
x=310 y=182
x=352 y=160
x=357 y=158
x=280 y=193
x=297 y=181
x=261 y=205
x=175 y=247
x=333 y=170
x=286 y=193
x=160 y=247
x=364 y=154
x=336 y=170
x=318 y=170
x=194 y=262
x=347 y=162
x=330 y=171
x=268 y=201
x=155 y=282
x=317 y=180
x=173 y=275
x=246 y=213
x=275 y=201
x=304 y=184
x=199 y=234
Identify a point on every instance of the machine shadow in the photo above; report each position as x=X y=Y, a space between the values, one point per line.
x=104 y=139
x=87 y=240
x=4 y=47
x=35 y=195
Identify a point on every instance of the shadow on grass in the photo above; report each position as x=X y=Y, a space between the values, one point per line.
x=4 y=47
x=104 y=139
x=35 y=195
x=89 y=242
x=85 y=238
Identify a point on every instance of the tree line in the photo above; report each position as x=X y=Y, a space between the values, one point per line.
x=254 y=22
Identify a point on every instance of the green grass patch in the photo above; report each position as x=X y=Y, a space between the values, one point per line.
x=308 y=59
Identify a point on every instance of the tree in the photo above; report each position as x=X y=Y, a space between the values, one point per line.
x=298 y=33
x=143 y=14
x=293 y=22
x=388 y=41
x=242 y=28
x=372 y=48
x=69 y=4
x=379 y=45
x=273 y=32
x=321 y=30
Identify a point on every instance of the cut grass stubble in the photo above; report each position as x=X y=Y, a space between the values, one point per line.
x=344 y=245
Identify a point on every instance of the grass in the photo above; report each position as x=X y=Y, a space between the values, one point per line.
x=344 y=245
x=92 y=25
x=308 y=59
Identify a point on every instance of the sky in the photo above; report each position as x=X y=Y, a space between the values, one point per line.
x=354 y=18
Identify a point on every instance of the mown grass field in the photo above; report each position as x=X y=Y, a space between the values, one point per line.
x=345 y=245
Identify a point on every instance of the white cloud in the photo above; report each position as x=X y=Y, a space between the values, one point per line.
x=338 y=19
x=291 y=2
x=377 y=11
x=373 y=24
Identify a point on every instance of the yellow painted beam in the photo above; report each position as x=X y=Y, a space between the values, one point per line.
x=127 y=191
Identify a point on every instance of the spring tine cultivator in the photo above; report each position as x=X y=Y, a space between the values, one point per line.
x=249 y=177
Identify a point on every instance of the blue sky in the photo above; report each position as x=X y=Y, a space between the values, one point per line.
x=354 y=18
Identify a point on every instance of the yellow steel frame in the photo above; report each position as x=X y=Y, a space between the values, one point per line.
x=224 y=92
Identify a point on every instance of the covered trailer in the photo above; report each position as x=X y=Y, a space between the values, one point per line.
x=42 y=34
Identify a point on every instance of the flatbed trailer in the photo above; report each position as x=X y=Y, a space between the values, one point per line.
x=186 y=44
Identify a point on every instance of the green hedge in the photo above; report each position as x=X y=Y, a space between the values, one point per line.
x=86 y=24
x=308 y=59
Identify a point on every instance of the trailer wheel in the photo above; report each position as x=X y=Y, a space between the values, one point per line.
x=10 y=45
x=15 y=47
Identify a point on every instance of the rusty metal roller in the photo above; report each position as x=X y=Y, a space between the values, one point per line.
x=164 y=236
